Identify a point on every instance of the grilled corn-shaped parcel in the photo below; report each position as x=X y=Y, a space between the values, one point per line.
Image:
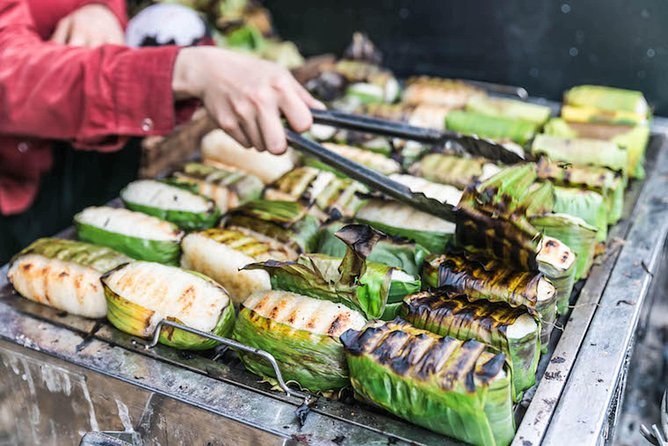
x=168 y=202
x=512 y=331
x=135 y=234
x=221 y=253
x=301 y=333
x=365 y=286
x=141 y=294
x=451 y=387
x=64 y=274
x=226 y=187
x=489 y=280
x=454 y=170
x=285 y=221
x=312 y=186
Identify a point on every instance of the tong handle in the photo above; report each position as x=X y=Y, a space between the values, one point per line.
x=377 y=126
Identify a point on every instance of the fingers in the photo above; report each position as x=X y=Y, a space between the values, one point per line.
x=305 y=96
x=272 y=129
x=62 y=33
x=294 y=109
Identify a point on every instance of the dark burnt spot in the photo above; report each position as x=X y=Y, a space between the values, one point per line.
x=551 y=244
x=274 y=312
x=63 y=274
x=491 y=368
x=26 y=266
x=336 y=325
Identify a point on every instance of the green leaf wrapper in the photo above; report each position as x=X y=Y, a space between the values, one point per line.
x=493 y=127
x=448 y=386
x=490 y=280
x=451 y=169
x=313 y=358
x=509 y=108
x=448 y=314
x=361 y=285
x=585 y=204
x=285 y=221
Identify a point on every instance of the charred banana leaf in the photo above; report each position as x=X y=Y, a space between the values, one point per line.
x=364 y=286
x=512 y=331
x=604 y=181
x=311 y=186
x=135 y=234
x=448 y=386
x=490 y=280
x=392 y=251
x=168 y=202
x=539 y=199
x=141 y=294
x=226 y=187
x=285 y=221
x=221 y=253
x=64 y=274
x=454 y=170
x=301 y=333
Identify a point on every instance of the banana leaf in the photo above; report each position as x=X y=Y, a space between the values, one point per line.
x=509 y=108
x=582 y=151
x=633 y=139
x=135 y=234
x=220 y=253
x=492 y=127
x=539 y=199
x=168 y=202
x=448 y=386
x=511 y=331
x=392 y=251
x=452 y=169
x=64 y=274
x=352 y=280
x=311 y=186
x=285 y=221
x=489 y=280
x=441 y=192
x=609 y=184
x=140 y=294
x=400 y=220
x=579 y=236
x=585 y=204
x=228 y=188
x=368 y=158
x=608 y=98
x=301 y=333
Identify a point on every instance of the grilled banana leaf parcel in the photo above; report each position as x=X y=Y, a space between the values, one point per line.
x=301 y=333
x=633 y=139
x=312 y=186
x=605 y=104
x=368 y=158
x=186 y=209
x=446 y=92
x=221 y=253
x=493 y=127
x=141 y=294
x=226 y=187
x=441 y=192
x=597 y=179
x=392 y=251
x=492 y=222
x=454 y=170
x=135 y=234
x=64 y=274
x=581 y=151
x=579 y=236
x=364 y=286
x=451 y=387
x=490 y=280
x=588 y=205
x=509 y=108
x=512 y=331
x=400 y=220
x=285 y=221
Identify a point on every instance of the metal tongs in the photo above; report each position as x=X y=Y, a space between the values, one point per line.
x=381 y=183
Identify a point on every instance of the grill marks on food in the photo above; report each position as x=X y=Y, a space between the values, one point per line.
x=304 y=313
x=252 y=244
x=447 y=313
x=423 y=356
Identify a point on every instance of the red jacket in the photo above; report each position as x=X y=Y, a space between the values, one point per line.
x=95 y=98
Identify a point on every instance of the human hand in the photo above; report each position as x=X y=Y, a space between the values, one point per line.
x=90 y=26
x=246 y=96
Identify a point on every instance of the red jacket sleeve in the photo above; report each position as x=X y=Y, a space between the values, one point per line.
x=86 y=95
